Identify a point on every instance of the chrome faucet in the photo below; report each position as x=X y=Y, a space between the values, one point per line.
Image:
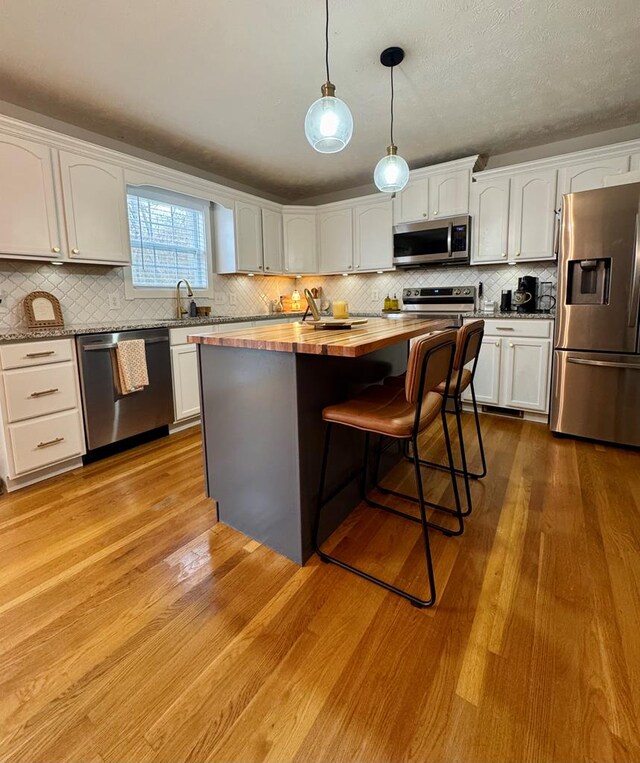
x=180 y=311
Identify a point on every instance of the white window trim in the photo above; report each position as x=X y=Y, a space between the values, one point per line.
x=132 y=292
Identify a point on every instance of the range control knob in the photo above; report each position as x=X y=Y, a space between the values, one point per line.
x=467 y=292
x=416 y=293
x=456 y=292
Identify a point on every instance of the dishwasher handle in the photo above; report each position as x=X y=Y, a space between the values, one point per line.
x=113 y=345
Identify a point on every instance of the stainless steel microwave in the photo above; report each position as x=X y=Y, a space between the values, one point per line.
x=436 y=242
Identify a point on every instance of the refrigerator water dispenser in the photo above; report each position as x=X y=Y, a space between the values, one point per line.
x=588 y=282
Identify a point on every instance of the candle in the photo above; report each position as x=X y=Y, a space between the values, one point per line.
x=340 y=309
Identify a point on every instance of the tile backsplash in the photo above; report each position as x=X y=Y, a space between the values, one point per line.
x=87 y=293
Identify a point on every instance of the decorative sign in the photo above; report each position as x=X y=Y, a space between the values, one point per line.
x=42 y=310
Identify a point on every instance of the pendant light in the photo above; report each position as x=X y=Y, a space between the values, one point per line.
x=328 y=125
x=392 y=172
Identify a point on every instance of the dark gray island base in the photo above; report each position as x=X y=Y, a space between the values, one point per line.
x=263 y=430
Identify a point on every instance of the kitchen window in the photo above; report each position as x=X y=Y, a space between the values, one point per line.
x=170 y=240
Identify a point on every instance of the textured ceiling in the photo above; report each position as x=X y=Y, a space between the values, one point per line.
x=224 y=84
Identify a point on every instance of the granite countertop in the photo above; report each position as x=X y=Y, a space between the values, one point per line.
x=512 y=315
x=21 y=334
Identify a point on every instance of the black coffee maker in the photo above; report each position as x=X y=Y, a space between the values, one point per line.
x=525 y=298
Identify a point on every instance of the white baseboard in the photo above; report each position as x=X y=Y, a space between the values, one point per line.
x=178 y=426
x=42 y=474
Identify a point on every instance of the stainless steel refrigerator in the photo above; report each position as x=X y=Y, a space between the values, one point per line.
x=596 y=377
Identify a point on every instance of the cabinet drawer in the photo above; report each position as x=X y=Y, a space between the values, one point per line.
x=27 y=354
x=519 y=327
x=179 y=336
x=31 y=392
x=46 y=440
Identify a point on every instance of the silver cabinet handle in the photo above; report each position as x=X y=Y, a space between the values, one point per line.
x=40 y=354
x=55 y=249
x=504 y=254
x=75 y=251
x=497 y=344
x=44 y=392
x=603 y=363
x=112 y=346
x=47 y=444
x=505 y=328
x=510 y=344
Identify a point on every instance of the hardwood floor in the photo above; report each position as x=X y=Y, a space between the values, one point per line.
x=133 y=628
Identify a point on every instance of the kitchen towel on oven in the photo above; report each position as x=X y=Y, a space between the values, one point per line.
x=131 y=359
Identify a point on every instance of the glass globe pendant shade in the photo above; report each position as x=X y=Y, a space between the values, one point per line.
x=391 y=173
x=328 y=125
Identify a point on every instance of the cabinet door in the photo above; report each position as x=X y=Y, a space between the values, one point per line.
x=489 y=210
x=272 y=243
x=248 y=237
x=28 y=221
x=186 y=386
x=532 y=216
x=487 y=378
x=412 y=203
x=373 y=235
x=525 y=377
x=335 y=238
x=95 y=209
x=449 y=194
x=589 y=175
x=300 y=242
x=635 y=162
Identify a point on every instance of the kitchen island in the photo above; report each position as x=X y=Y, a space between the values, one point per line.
x=262 y=394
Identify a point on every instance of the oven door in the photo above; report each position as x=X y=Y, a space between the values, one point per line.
x=431 y=243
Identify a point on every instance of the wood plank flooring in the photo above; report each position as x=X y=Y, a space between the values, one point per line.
x=134 y=628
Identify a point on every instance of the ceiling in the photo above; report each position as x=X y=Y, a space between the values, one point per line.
x=224 y=85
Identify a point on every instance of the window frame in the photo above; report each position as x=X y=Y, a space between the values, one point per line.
x=180 y=199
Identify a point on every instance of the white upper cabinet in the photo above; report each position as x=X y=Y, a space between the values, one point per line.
x=94 y=197
x=489 y=210
x=635 y=162
x=300 y=255
x=373 y=235
x=28 y=219
x=272 y=242
x=412 y=204
x=532 y=215
x=335 y=239
x=248 y=222
x=588 y=175
x=449 y=194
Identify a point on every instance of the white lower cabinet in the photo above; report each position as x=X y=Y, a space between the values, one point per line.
x=525 y=374
x=186 y=388
x=514 y=365
x=487 y=380
x=184 y=368
x=40 y=411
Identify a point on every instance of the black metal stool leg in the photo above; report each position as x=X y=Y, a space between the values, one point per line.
x=463 y=455
x=327 y=558
x=483 y=473
x=425 y=527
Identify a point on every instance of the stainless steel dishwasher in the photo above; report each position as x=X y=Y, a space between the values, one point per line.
x=110 y=416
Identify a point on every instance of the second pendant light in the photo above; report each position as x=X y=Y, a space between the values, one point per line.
x=392 y=172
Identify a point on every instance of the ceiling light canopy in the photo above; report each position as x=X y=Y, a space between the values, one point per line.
x=392 y=172
x=328 y=125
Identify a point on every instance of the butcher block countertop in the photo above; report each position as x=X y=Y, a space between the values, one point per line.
x=360 y=340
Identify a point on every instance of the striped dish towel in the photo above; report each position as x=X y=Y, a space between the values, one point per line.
x=131 y=359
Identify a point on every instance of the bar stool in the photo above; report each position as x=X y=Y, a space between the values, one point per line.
x=468 y=344
x=399 y=413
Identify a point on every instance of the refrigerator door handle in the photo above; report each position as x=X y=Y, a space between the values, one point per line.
x=634 y=296
x=604 y=363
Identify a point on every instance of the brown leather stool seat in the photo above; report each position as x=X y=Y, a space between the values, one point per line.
x=384 y=410
x=400 y=413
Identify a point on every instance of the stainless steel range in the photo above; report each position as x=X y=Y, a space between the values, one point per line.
x=454 y=302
